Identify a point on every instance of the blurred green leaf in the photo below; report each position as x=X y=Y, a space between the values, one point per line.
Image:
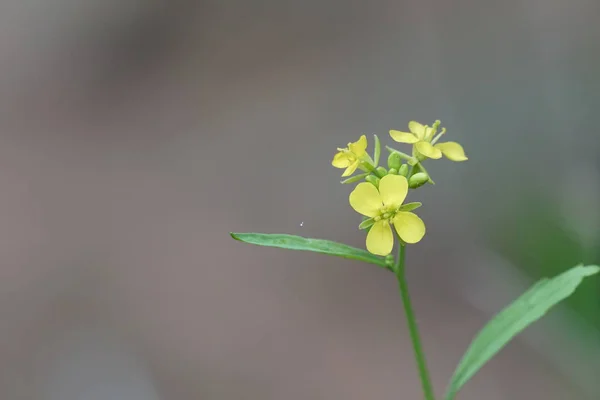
x=292 y=242
x=525 y=310
x=530 y=235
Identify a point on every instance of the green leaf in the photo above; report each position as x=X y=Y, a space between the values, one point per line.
x=531 y=306
x=292 y=242
x=377 y=153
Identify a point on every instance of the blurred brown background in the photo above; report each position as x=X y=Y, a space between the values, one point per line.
x=135 y=134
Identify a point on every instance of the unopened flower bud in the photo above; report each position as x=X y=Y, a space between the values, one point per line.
x=394 y=160
x=403 y=170
x=393 y=171
x=418 y=179
x=373 y=179
x=381 y=172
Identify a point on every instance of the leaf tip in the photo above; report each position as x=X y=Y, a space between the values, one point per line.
x=592 y=269
x=587 y=270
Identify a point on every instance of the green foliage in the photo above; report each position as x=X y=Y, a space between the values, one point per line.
x=292 y=242
x=525 y=310
x=534 y=239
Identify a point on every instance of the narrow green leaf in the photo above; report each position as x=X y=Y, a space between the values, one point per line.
x=528 y=308
x=292 y=242
x=377 y=153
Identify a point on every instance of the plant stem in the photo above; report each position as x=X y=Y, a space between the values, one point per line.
x=399 y=269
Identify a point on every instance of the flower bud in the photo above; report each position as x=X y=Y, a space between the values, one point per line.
x=403 y=170
x=418 y=179
x=393 y=171
x=373 y=179
x=381 y=172
x=394 y=160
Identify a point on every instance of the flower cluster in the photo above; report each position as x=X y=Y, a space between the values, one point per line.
x=380 y=199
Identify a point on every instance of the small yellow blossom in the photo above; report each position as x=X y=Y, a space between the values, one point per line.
x=351 y=157
x=422 y=136
x=384 y=206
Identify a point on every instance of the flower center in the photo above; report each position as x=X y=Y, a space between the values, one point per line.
x=386 y=213
x=349 y=155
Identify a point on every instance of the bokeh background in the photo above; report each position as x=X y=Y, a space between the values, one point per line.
x=135 y=134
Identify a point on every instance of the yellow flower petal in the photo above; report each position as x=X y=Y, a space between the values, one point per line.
x=380 y=239
x=351 y=168
x=417 y=128
x=428 y=135
x=359 y=147
x=452 y=150
x=403 y=137
x=409 y=226
x=365 y=199
x=428 y=150
x=393 y=190
x=340 y=160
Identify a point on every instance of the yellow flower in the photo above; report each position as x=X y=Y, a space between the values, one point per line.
x=384 y=206
x=351 y=157
x=425 y=144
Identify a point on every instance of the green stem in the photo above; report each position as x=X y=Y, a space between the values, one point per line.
x=399 y=269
